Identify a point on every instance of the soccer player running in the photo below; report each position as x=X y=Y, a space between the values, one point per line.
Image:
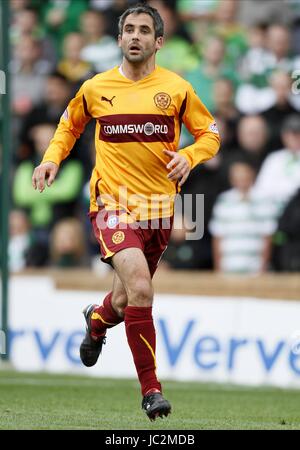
x=138 y=108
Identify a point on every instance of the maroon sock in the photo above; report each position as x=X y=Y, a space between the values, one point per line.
x=141 y=339
x=104 y=317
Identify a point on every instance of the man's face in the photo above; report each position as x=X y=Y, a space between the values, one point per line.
x=138 y=41
x=252 y=134
x=291 y=141
x=241 y=177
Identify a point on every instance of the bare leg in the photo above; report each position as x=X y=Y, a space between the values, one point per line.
x=133 y=272
x=119 y=297
x=132 y=269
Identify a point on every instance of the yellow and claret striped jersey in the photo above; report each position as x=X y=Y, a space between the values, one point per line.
x=135 y=122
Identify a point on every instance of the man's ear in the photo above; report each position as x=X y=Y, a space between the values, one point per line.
x=159 y=42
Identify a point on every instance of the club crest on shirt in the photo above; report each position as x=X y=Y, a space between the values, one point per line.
x=213 y=127
x=162 y=100
x=112 y=221
x=118 y=237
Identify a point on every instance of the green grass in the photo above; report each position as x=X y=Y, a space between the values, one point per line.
x=44 y=401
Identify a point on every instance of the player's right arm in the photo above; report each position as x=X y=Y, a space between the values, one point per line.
x=70 y=127
x=45 y=171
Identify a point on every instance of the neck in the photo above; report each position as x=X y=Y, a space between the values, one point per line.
x=27 y=67
x=212 y=68
x=244 y=193
x=93 y=39
x=282 y=101
x=136 y=72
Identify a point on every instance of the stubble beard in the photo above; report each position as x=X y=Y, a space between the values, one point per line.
x=140 y=58
x=135 y=58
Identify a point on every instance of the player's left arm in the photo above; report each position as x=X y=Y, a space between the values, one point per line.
x=179 y=166
x=202 y=126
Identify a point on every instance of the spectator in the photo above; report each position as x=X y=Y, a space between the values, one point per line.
x=23 y=248
x=67 y=244
x=193 y=13
x=102 y=5
x=177 y=53
x=224 y=100
x=71 y=65
x=252 y=135
x=241 y=226
x=253 y=12
x=210 y=69
x=234 y=34
x=254 y=66
x=278 y=58
x=112 y=9
x=29 y=74
x=181 y=253
x=286 y=253
x=57 y=93
x=295 y=28
x=61 y=18
x=279 y=177
x=18 y=5
x=196 y=16
x=227 y=130
x=58 y=202
x=26 y=23
x=283 y=106
x=209 y=181
x=279 y=45
x=19 y=240
x=100 y=49
x=215 y=17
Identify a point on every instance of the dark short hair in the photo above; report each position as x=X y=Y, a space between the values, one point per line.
x=58 y=75
x=142 y=8
x=291 y=123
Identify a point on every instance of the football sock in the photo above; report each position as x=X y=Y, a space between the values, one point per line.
x=140 y=333
x=104 y=317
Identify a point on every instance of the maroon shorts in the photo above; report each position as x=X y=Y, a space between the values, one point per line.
x=115 y=230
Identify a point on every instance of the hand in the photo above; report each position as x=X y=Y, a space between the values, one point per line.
x=47 y=170
x=182 y=168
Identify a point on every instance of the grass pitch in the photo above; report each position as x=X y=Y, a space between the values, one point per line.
x=44 y=401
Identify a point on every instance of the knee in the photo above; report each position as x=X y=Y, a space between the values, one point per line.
x=141 y=293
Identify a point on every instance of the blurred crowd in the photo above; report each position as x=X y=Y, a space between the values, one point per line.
x=242 y=58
